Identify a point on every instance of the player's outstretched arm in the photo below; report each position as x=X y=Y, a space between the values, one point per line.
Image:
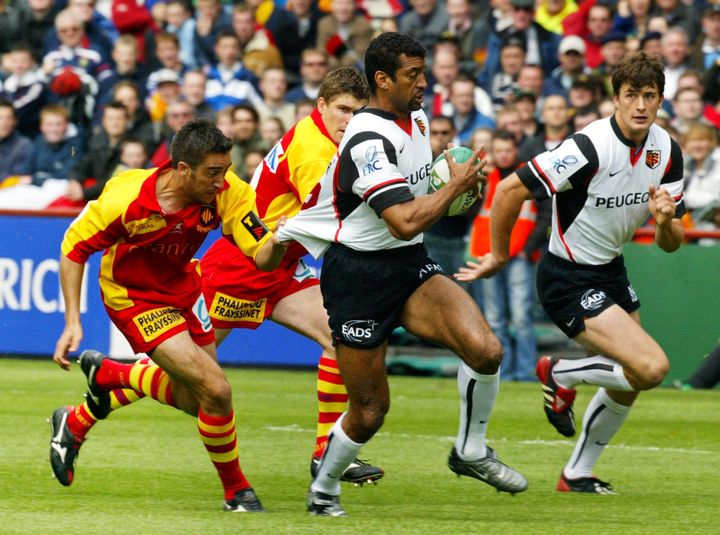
x=407 y=220
x=509 y=197
x=71 y=275
x=669 y=233
x=273 y=250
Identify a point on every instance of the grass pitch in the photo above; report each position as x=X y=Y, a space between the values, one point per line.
x=144 y=470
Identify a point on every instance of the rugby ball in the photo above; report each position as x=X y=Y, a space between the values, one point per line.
x=440 y=175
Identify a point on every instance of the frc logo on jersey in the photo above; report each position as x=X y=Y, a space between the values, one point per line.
x=373 y=162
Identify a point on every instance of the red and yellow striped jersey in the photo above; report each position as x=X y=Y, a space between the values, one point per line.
x=291 y=171
x=149 y=253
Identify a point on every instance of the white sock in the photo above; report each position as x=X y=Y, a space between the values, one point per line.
x=340 y=451
x=603 y=417
x=597 y=370
x=477 y=398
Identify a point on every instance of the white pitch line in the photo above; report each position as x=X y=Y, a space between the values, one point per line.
x=294 y=428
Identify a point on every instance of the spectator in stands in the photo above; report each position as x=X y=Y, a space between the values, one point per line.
x=273 y=86
x=606 y=107
x=313 y=68
x=181 y=23
x=531 y=79
x=24 y=88
x=344 y=34
x=613 y=50
x=133 y=155
x=706 y=48
x=253 y=158
x=140 y=125
x=246 y=136
x=702 y=173
x=540 y=44
x=127 y=67
x=98 y=29
x=167 y=58
x=224 y=121
x=256 y=43
x=32 y=21
x=584 y=116
x=466 y=117
x=508 y=118
x=15 y=149
x=134 y=18
x=586 y=90
x=632 y=17
x=503 y=83
x=526 y=104
x=167 y=89
x=425 y=21
x=229 y=82
x=74 y=71
x=178 y=113
x=56 y=151
x=282 y=28
x=651 y=44
x=687 y=109
x=680 y=14
x=675 y=56
x=572 y=64
x=307 y=15
x=471 y=33
x=271 y=130
x=193 y=89
x=89 y=176
x=509 y=296
x=550 y=14
x=555 y=118
x=303 y=108
x=592 y=23
x=210 y=21
x=500 y=17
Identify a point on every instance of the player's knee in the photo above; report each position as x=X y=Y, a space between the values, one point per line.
x=485 y=354
x=373 y=416
x=218 y=392
x=652 y=373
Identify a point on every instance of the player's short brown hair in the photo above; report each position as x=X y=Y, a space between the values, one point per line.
x=639 y=70
x=195 y=140
x=344 y=81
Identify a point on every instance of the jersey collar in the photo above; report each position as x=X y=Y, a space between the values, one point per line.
x=317 y=119
x=147 y=197
x=621 y=136
x=405 y=126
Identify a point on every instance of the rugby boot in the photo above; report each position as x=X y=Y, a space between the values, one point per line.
x=64 y=447
x=357 y=473
x=490 y=470
x=558 y=401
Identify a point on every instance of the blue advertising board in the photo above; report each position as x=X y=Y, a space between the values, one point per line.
x=32 y=312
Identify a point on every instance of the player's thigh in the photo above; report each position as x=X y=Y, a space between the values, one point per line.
x=365 y=375
x=304 y=313
x=442 y=312
x=618 y=335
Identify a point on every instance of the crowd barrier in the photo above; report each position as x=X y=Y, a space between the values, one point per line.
x=678 y=293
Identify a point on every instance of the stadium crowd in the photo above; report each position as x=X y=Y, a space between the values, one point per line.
x=92 y=87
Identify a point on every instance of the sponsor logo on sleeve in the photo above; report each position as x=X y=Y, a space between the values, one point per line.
x=229 y=308
x=254 y=226
x=421 y=125
x=561 y=165
x=272 y=160
x=372 y=161
x=153 y=323
x=593 y=299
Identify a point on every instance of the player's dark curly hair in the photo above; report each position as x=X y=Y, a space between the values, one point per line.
x=639 y=70
x=344 y=81
x=195 y=140
x=384 y=52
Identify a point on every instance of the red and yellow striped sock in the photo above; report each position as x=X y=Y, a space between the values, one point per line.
x=332 y=400
x=80 y=421
x=147 y=379
x=220 y=439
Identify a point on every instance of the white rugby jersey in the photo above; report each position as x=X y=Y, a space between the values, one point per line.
x=599 y=182
x=380 y=162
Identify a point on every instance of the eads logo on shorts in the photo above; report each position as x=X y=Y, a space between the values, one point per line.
x=358 y=330
x=592 y=299
x=229 y=308
x=157 y=321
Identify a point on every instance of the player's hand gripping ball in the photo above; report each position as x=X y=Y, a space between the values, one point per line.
x=440 y=175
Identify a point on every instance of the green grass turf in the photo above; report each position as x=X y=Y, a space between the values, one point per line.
x=145 y=471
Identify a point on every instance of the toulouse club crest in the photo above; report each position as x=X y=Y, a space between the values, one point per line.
x=652 y=158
